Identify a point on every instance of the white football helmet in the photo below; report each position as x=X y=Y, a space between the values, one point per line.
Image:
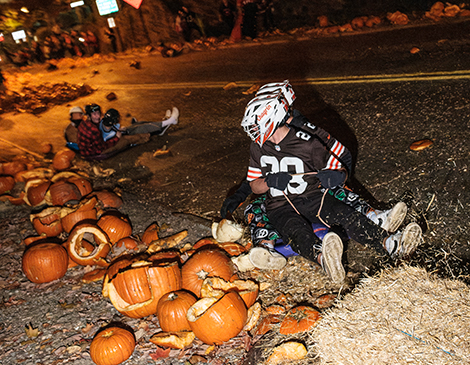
x=263 y=115
x=285 y=87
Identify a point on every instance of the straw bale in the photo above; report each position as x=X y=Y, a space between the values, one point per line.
x=400 y=316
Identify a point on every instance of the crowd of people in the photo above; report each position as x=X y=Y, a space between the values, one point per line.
x=53 y=47
x=237 y=19
x=98 y=136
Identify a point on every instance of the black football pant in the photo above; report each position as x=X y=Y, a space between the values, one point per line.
x=297 y=230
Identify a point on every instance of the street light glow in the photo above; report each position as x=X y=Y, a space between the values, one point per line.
x=24 y=9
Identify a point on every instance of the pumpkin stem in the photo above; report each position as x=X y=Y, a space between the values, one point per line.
x=172 y=296
x=108 y=334
x=202 y=274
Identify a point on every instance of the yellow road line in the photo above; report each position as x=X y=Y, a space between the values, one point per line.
x=365 y=79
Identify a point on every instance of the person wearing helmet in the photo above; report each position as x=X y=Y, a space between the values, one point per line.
x=264 y=234
x=112 y=138
x=110 y=124
x=295 y=168
x=91 y=144
x=76 y=115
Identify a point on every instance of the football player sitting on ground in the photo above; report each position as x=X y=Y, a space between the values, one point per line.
x=296 y=163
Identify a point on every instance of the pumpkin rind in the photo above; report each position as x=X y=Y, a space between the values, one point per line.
x=6 y=184
x=83 y=256
x=136 y=289
x=112 y=346
x=62 y=192
x=299 y=319
x=116 y=227
x=205 y=263
x=45 y=262
x=221 y=321
x=47 y=221
x=172 y=308
x=63 y=159
x=150 y=234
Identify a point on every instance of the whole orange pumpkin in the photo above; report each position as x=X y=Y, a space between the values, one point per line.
x=205 y=263
x=172 y=309
x=112 y=346
x=45 y=262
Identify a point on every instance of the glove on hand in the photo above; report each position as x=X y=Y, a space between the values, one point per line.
x=331 y=178
x=298 y=121
x=233 y=202
x=279 y=180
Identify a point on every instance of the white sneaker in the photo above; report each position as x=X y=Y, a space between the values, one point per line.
x=401 y=245
x=331 y=255
x=175 y=113
x=167 y=114
x=266 y=259
x=390 y=219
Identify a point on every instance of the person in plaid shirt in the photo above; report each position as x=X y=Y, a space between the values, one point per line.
x=91 y=144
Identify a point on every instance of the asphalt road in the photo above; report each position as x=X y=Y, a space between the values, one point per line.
x=366 y=88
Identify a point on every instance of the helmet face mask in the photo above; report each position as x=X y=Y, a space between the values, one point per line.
x=263 y=115
x=111 y=118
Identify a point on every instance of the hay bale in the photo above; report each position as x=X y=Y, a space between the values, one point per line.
x=402 y=316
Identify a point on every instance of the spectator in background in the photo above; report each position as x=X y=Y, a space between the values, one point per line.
x=250 y=10
x=36 y=52
x=266 y=9
x=186 y=22
x=76 y=116
x=2 y=82
x=92 y=42
x=227 y=13
x=77 y=45
x=68 y=44
x=236 y=34
x=112 y=39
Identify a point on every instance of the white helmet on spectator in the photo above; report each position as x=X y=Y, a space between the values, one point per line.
x=285 y=87
x=76 y=109
x=263 y=115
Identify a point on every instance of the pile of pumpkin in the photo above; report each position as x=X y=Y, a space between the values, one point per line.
x=194 y=290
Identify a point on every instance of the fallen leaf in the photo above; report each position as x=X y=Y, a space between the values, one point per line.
x=87 y=328
x=230 y=85
x=252 y=89
x=209 y=349
x=30 y=331
x=195 y=359
x=160 y=353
